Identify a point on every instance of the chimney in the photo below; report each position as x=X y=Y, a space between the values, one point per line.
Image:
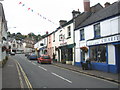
x=86 y=5
x=62 y=22
x=75 y=13
x=107 y=4
x=46 y=32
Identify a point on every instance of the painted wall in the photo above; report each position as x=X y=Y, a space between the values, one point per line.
x=77 y=47
x=109 y=27
x=0 y=54
x=49 y=45
x=111 y=54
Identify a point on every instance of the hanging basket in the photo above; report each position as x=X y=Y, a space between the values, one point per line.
x=84 y=49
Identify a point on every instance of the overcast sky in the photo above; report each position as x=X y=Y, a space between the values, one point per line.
x=26 y=21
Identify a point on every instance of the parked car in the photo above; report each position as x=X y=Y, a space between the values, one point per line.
x=12 y=53
x=32 y=56
x=44 y=59
x=27 y=53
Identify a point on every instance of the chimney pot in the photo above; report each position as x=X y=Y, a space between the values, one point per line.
x=62 y=22
x=107 y=4
x=86 y=5
x=75 y=13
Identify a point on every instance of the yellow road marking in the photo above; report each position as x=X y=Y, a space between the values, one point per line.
x=20 y=78
x=25 y=77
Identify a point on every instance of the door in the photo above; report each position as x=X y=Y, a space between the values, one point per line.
x=117 y=49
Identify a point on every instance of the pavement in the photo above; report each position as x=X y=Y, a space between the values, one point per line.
x=98 y=74
x=10 y=76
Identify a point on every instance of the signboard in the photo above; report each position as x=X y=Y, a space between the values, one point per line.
x=105 y=40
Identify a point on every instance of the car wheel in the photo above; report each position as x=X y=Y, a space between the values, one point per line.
x=38 y=62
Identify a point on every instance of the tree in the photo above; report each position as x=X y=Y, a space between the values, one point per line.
x=8 y=34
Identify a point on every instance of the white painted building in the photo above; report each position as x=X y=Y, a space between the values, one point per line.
x=3 y=34
x=100 y=34
x=64 y=43
x=41 y=46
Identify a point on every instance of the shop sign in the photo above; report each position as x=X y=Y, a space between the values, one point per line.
x=63 y=43
x=110 y=39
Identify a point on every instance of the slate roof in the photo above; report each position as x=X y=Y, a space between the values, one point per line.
x=2 y=15
x=2 y=11
x=105 y=13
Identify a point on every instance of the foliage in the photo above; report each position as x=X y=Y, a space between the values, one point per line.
x=19 y=36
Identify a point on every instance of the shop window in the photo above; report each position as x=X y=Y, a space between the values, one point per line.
x=82 y=36
x=97 y=30
x=98 y=53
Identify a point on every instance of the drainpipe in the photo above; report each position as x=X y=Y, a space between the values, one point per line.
x=74 y=40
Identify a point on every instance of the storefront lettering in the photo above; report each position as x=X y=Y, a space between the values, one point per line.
x=104 y=40
x=64 y=43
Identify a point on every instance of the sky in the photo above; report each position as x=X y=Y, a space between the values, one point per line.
x=39 y=16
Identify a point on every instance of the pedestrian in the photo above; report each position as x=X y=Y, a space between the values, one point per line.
x=88 y=62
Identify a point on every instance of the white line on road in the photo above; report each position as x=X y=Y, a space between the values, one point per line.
x=29 y=61
x=42 y=68
x=33 y=63
x=61 y=77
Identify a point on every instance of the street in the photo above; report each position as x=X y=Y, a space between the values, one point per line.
x=50 y=76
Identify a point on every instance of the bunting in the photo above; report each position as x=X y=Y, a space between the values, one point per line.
x=37 y=13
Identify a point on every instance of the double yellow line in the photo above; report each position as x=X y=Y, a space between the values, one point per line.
x=19 y=69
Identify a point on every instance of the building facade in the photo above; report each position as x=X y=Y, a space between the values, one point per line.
x=99 y=39
x=3 y=34
x=41 y=46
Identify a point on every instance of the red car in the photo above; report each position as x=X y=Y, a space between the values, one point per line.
x=44 y=59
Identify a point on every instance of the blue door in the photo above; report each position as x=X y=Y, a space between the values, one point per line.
x=117 y=48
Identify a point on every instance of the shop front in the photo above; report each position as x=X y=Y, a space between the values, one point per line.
x=66 y=54
x=104 y=53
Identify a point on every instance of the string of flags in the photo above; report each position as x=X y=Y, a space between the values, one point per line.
x=37 y=13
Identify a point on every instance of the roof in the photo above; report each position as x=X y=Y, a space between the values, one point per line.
x=2 y=11
x=2 y=15
x=103 y=14
x=67 y=23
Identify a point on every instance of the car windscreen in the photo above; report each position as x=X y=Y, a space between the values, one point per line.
x=46 y=57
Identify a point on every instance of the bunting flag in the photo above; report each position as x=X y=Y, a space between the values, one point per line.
x=30 y=9
x=23 y=4
x=20 y=2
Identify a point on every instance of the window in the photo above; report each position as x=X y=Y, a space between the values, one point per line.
x=14 y=45
x=98 y=53
x=54 y=37
x=69 y=31
x=82 y=36
x=49 y=39
x=97 y=30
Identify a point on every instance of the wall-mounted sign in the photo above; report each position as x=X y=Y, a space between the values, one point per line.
x=105 y=40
